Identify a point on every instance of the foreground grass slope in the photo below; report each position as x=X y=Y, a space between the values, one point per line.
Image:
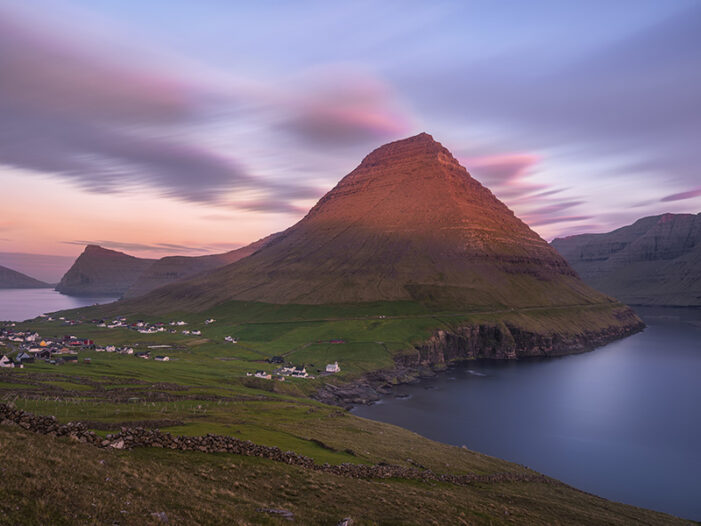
x=149 y=486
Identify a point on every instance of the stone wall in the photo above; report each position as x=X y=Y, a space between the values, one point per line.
x=129 y=438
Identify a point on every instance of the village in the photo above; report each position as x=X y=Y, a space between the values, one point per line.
x=20 y=348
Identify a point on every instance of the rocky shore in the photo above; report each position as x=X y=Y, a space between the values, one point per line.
x=496 y=341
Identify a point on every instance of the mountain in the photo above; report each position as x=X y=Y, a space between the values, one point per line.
x=102 y=272
x=11 y=279
x=174 y=268
x=409 y=223
x=654 y=261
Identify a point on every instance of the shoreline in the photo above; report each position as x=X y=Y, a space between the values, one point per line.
x=444 y=351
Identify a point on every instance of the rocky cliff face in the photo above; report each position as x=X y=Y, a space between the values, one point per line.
x=102 y=272
x=11 y=279
x=175 y=268
x=494 y=340
x=409 y=223
x=654 y=261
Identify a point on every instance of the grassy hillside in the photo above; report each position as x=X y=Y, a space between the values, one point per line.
x=204 y=389
x=154 y=486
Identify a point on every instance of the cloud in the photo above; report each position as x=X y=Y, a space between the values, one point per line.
x=682 y=195
x=168 y=248
x=506 y=174
x=102 y=124
x=343 y=107
x=269 y=205
x=554 y=220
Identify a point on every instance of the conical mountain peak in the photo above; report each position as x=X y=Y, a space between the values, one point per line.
x=409 y=223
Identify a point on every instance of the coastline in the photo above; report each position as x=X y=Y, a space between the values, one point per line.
x=497 y=341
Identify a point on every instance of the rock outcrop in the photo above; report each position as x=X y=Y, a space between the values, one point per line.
x=102 y=272
x=11 y=279
x=654 y=261
x=408 y=224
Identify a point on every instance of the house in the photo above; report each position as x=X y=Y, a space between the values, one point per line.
x=162 y=358
x=333 y=368
x=264 y=375
x=294 y=370
x=210 y=320
x=196 y=333
x=231 y=339
x=143 y=355
x=25 y=358
x=299 y=372
x=41 y=354
x=6 y=362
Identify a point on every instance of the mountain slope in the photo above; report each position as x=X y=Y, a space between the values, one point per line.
x=100 y=271
x=654 y=261
x=11 y=279
x=409 y=223
x=174 y=268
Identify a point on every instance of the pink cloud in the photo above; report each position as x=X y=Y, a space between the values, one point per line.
x=682 y=195
x=344 y=107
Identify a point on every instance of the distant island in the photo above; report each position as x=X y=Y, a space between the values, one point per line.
x=11 y=279
x=654 y=261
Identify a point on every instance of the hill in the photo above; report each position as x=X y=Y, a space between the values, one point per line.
x=11 y=279
x=174 y=268
x=102 y=272
x=654 y=261
x=408 y=224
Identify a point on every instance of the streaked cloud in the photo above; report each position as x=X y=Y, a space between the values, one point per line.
x=345 y=107
x=682 y=195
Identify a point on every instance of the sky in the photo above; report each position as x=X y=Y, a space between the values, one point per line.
x=173 y=127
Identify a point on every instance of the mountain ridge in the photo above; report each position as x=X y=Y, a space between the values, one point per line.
x=654 y=261
x=12 y=279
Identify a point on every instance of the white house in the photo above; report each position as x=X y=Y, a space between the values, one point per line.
x=162 y=358
x=6 y=362
x=333 y=368
x=296 y=371
x=264 y=375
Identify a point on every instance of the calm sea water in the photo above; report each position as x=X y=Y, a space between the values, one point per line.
x=23 y=304
x=623 y=422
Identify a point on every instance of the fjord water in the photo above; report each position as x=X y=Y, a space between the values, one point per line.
x=622 y=422
x=23 y=304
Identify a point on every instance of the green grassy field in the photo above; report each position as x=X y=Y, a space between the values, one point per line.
x=204 y=389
